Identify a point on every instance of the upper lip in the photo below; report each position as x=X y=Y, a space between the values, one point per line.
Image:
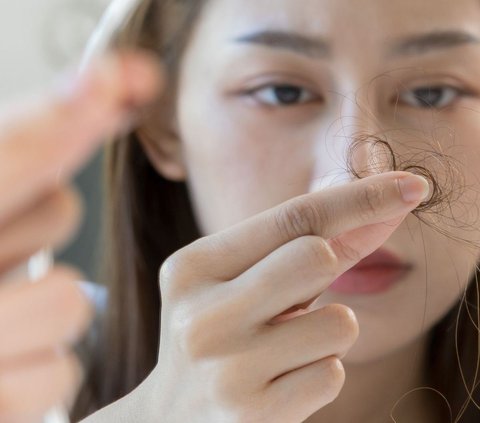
x=382 y=258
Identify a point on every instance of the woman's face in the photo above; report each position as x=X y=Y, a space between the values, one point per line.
x=270 y=97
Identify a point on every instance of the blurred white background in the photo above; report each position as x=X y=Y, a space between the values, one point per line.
x=39 y=39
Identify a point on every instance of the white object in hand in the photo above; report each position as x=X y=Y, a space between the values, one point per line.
x=38 y=266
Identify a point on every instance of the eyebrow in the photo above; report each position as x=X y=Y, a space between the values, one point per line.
x=319 y=48
x=297 y=43
x=425 y=43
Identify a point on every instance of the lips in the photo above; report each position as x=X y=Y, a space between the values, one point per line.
x=381 y=257
x=374 y=274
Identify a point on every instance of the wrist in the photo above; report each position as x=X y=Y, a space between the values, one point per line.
x=137 y=406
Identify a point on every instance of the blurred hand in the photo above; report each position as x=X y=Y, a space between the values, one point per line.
x=42 y=144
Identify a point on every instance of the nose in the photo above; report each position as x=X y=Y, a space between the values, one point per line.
x=349 y=145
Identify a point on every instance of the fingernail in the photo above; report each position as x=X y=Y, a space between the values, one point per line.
x=414 y=188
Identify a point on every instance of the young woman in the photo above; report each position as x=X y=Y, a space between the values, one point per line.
x=263 y=102
x=288 y=290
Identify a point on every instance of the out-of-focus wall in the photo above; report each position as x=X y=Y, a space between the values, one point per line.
x=38 y=40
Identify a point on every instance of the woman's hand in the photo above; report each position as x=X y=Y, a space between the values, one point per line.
x=41 y=145
x=226 y=352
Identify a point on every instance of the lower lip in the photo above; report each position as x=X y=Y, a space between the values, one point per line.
x=368 y=280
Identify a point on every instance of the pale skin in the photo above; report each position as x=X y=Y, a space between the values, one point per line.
x=221 y=357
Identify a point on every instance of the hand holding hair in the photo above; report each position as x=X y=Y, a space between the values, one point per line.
x=227 y=351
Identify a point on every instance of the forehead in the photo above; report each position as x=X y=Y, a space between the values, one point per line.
x=386 y=18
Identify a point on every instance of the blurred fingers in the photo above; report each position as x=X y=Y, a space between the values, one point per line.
x=51 y=221
x=45 y=142
x=310 y=388
x=47 y=315
x=28 y=391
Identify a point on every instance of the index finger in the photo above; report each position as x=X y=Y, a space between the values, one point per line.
x=327 y=213
x=45 y=142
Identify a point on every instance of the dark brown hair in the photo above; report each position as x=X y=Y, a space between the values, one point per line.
x=147 y=218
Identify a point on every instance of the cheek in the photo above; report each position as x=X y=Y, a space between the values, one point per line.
x=447 y=252
x=462 y=218
x=236 y=167
x=468 y=144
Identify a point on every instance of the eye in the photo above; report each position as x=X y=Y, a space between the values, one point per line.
x=427 y=97
x=282 y=95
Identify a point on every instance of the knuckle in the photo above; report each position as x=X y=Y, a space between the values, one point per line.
x=179 y=269
x=334 y=377
x=202 y=328
x=344 y=321
x=345 y=250
x=371 y=200
x=170 y=274
x=166 y=272
x=298 y=218
x=191 y=331
x=319 y=253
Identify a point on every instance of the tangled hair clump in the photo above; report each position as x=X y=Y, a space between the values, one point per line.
x=442 y=171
